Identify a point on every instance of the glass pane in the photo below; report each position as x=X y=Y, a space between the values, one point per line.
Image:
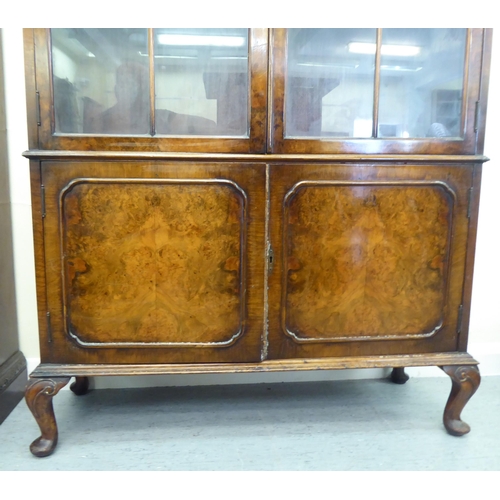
x=101 y=81
x=421 y=82
x=329 y=85
x=201 y=81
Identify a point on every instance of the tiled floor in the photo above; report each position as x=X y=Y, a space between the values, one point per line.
x=330 y=426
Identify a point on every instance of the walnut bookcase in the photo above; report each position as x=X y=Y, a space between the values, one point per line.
x=239 y=201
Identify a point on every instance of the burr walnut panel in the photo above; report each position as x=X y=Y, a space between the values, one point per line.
x=153 y=261
x=365 y=260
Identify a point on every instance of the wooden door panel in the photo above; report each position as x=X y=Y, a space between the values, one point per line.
x=365 y=259
x=153 y=261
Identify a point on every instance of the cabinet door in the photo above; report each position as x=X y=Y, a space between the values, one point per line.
x=375 y=91
x=368 y=259
x=161 y=89
x=153 y=262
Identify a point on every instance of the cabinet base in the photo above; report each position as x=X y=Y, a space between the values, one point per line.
x=47 y=379
x=341 y=363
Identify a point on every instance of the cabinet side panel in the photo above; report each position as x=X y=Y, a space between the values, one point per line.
x=470 y=256
x=39 y=250
x=31 y=96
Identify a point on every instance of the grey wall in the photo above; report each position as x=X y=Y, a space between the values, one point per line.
x=9 y=342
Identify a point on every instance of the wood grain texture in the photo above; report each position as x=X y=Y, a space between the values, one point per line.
x=365 y=260
x=258 y=89
x=470 y=257
x=39 y=252
x=154 y=262
x=154 y=257
x=366 y=255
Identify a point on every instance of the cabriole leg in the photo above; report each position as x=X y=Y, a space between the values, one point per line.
x=465 y=381
x=80 y=386
x=398 y=376
x=39 y=394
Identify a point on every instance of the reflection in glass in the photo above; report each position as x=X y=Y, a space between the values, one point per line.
x=101 y=85
x=201 y=81
x=421 y=82
x=329 y=88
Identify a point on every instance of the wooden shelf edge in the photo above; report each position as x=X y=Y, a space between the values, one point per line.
x=36 y=154
x=392 y=361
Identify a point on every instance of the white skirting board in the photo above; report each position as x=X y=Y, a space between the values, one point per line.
x=488 y=355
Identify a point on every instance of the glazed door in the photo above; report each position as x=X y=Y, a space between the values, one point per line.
x=152 y=263
x=156 y=89
x=376 y=91
x=368 y=259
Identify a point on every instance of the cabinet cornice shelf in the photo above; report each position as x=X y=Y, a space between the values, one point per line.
x=263 y=158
